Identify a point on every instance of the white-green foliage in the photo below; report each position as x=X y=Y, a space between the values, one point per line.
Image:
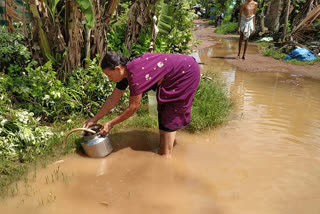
x=21 y=135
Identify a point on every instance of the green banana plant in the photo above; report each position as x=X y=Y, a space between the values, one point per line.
x=44 y=44
x=165 y=18
x=87 y=9
x=52 y=5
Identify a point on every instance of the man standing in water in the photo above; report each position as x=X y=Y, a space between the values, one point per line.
x=246 y=25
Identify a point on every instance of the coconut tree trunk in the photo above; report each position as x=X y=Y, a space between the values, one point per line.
x=284 y=33
x=276 y=23
x=262 y=20
x=273 y=15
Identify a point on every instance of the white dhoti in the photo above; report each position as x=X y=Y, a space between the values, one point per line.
x=246 y=26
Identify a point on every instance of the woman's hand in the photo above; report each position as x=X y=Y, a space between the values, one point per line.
x=89 y=123
x=106 y=128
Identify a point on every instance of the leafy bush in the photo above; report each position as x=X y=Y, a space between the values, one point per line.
x=211 y=105
x=21 y=137
x=274 y=52
x=12 y=50
x=116 y=38
x=90 y=88
x=210 y=22
x=117 y=31
x=142 y=46
x=38 y=90
x=317 y=26
x=226 y=28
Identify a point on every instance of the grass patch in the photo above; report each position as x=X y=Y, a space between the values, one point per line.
x=142 y=119
x=210 y=22
x=211 y=105
x=227 y=28
x=267 y=49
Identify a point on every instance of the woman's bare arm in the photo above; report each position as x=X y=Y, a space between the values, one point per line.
x=108 y=105
x=134 y=105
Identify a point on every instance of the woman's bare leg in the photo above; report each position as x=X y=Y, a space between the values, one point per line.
x=166 y=143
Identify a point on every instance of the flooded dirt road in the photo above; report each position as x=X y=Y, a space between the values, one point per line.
x=265 y=160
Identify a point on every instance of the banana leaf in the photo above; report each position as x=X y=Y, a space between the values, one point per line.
x=165 y=18
x=87 y=9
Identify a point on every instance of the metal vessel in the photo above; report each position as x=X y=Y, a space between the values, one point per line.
x=93 y=144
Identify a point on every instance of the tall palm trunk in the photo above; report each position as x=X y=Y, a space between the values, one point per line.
x=273 y=15
x=284 y=34
x=262 y=20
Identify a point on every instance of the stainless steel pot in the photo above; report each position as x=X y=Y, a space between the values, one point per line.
x=94 y=145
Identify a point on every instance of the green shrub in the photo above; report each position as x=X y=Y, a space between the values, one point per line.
x=90 y=88
x=268 y=49
x=39 y=91
x=12 y=50
x=211 y=105
x=116 y=38
x=227 y=28
x=210 y=22
x=21 y=137
x=275 y=53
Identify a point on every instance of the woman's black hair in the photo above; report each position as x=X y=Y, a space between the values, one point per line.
x=112 y=59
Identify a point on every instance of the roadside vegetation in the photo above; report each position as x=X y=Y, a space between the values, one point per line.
x=43 y=96
x=211 y=105
x=268 y=49
x=227 y=28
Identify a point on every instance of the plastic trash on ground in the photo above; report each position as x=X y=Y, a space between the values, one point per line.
x=266 y=39
x=300 y=54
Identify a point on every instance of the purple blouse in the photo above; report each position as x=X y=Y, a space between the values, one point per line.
x=181 y=76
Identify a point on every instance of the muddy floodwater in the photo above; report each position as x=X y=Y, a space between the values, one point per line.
x=265 y=160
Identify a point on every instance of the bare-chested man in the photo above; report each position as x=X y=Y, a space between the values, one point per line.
x=246 y=25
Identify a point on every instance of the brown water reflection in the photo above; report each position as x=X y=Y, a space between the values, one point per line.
x=266 y=160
